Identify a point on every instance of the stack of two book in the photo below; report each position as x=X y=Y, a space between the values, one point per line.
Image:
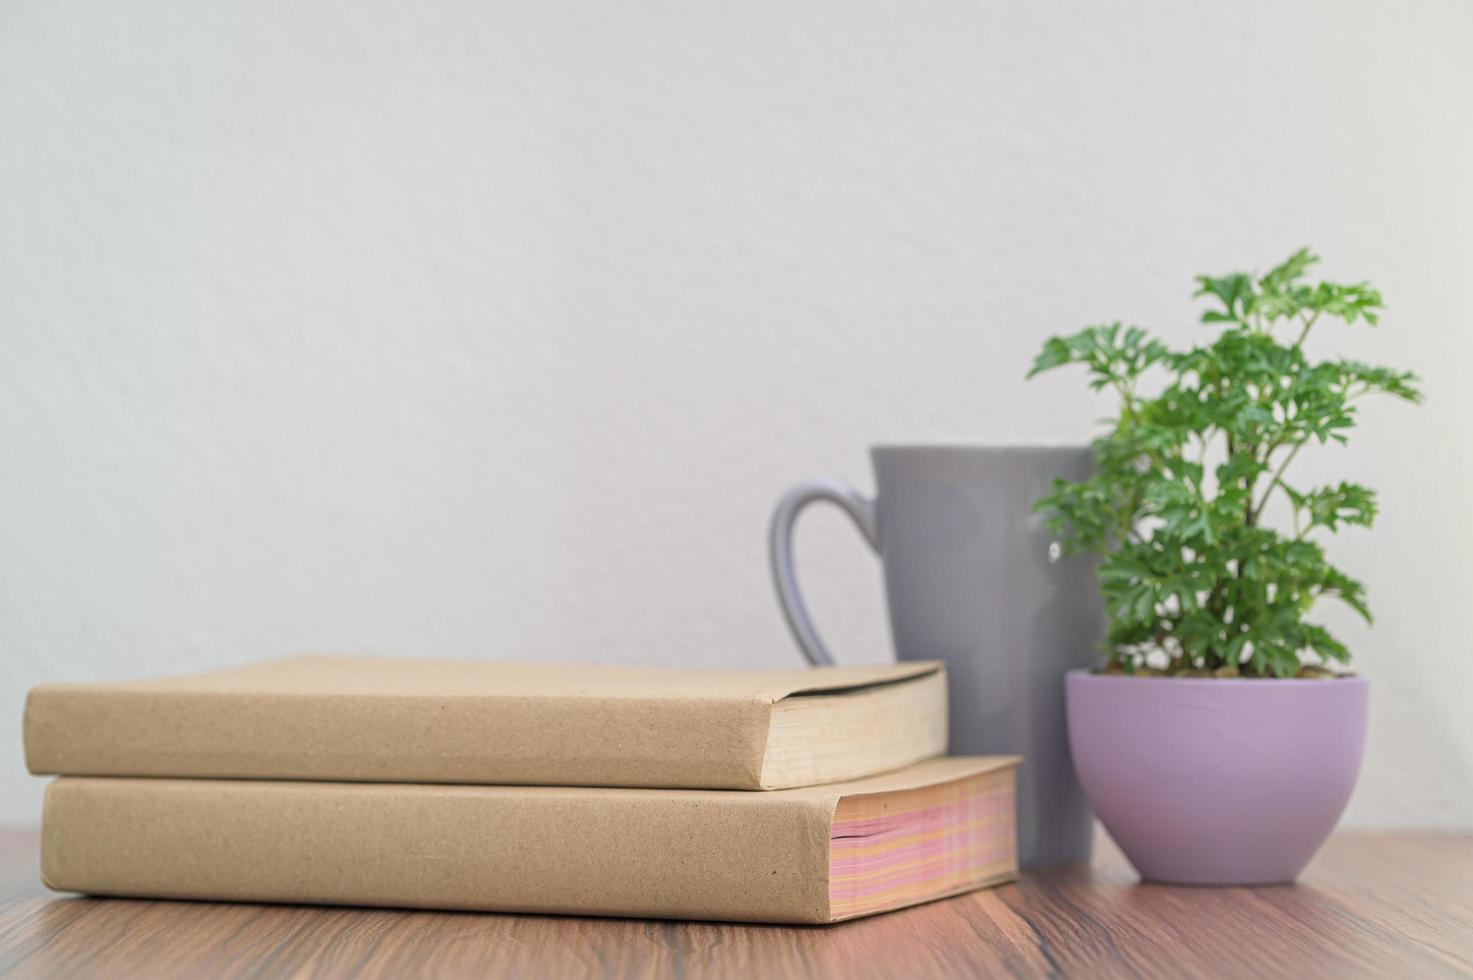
x=587 y=790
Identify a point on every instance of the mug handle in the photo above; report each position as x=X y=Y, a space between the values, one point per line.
x=861 y=511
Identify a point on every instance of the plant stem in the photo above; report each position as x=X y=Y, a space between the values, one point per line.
x=1309 y=322
x=1278 y=474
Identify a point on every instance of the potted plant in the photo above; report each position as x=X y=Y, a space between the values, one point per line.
x=1221 y=739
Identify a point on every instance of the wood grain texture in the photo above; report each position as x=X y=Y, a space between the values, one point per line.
x=1370 y=905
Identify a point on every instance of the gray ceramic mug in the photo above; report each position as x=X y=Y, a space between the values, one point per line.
x=971 y=579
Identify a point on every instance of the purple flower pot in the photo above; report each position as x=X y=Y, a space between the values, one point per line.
x=1207 y=781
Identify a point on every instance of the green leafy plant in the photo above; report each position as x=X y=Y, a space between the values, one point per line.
x=1195 y=582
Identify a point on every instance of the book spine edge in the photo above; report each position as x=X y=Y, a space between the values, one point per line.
x=658 y=743
x=682 y=854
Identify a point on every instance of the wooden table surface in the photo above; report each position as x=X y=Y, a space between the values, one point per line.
x=1370 y=905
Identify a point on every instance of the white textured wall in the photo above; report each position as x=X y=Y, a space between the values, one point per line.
x=493 y=329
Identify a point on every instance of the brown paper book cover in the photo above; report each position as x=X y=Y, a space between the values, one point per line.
x=382 y=720
x=810 y=855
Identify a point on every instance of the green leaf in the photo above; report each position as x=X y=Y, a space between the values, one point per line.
x=1234 y=291
x=1289 y=271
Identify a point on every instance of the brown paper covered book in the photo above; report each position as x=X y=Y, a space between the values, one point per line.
x=815 y=855
x=378 y=720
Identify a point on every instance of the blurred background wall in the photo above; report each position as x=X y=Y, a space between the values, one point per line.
x=494 y=329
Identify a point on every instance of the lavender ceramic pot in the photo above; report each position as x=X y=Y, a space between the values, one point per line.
x=1216 y=782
